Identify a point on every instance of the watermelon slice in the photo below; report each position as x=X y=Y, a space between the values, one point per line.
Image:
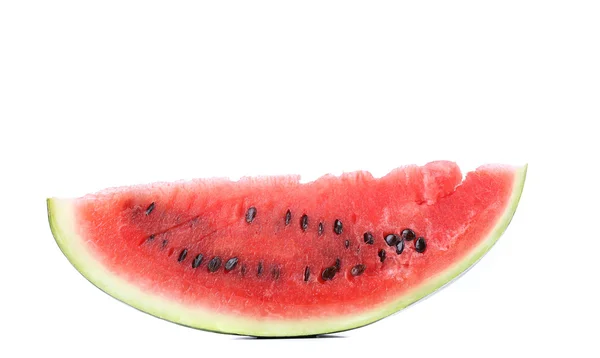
x=273 y=256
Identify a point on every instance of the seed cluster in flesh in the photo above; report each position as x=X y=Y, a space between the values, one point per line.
x=328 y=273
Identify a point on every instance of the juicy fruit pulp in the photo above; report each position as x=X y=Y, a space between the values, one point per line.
x=227 y=256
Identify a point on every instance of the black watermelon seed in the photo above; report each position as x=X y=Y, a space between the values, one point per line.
x=250 y=214
x=368 y=237
x=150 y=238
x=150 y=208
x=400 y=247
x=358 y=270
x=214 y=264
x=306 y=274
x=391 y=239
x=275 y=272
x=164 y=243
x=230 y=264
x=338 y=264
x=337 y=227
x=420 y=245
x=347 y=243
x=381 y=255
x=288 y=217
x=329 y=273
x=408 y=235
x=320 y=229
x=197 y=260
x=259 y=270
x=182 y=255
x=304 y=222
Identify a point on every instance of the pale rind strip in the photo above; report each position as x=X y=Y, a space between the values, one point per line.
x=62 y=223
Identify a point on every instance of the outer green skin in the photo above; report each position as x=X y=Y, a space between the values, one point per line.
x=61 y=217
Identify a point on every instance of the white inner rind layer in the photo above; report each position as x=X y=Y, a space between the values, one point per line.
x=64 y=228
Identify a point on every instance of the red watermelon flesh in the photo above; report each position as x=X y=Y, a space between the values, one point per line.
x=280 y=257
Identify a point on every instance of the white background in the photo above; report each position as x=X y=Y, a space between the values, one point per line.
x=121 y=92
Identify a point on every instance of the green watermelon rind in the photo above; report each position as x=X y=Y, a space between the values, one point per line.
x=61 y=217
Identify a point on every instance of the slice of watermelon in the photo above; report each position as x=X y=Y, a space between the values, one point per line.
x=275 y=257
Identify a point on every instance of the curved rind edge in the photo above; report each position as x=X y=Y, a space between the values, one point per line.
x=62 y=223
